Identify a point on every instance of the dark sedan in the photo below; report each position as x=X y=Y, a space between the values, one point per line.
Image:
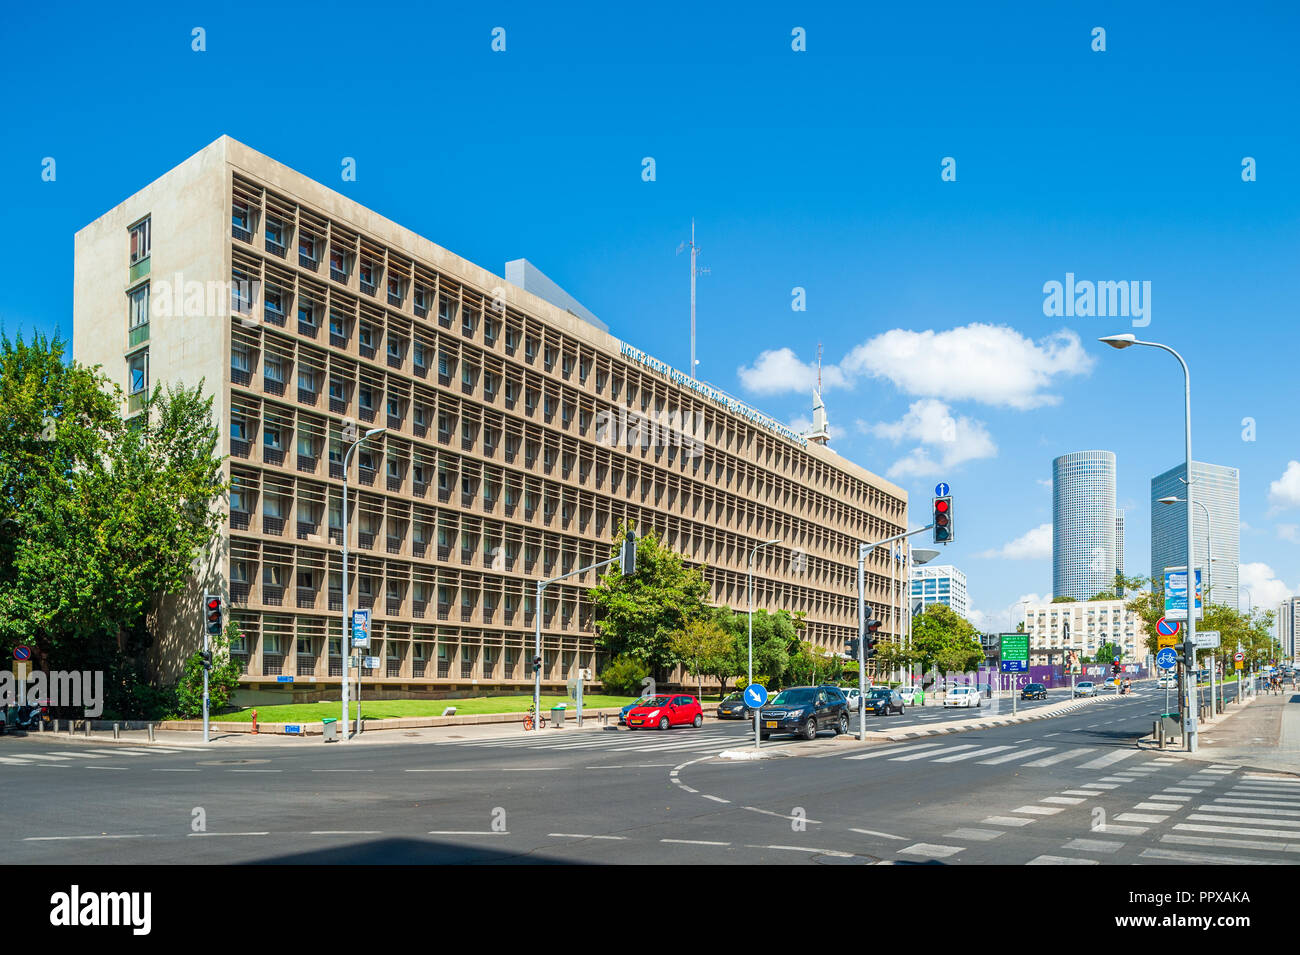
x=881 y=701
x=734 y=708
x=1034 y=691
x=804 y=711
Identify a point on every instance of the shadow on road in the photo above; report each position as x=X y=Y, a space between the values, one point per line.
x=411 y=852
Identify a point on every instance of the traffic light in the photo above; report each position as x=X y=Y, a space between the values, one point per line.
x=537 y=664
x=1186 y=653
x=854 y=643
x=627 y=556
x=872 y=638
x=205 y=659
x=942 y=521
x=212 y=615
x=1114 y=668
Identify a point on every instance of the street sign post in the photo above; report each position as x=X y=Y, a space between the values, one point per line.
x=1167 y=658
x=755 y=699
x=361 y=629
x=1207 y=639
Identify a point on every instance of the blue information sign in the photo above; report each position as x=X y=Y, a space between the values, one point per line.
x=284 y=679
x=756 y=695
x=1015 y=666
x=1166 y=658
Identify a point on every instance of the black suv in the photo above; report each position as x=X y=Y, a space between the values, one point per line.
x=880 y=700
x=804 y=710
x=1034 y=691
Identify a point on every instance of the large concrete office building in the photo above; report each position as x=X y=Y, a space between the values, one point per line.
x=1084 y=524
x=1218 y=488
x=1288 y=627
x=520 y=436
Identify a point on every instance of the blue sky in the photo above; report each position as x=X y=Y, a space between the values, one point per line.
x=818 y=170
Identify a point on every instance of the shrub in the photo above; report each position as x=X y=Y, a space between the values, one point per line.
x=623 y=676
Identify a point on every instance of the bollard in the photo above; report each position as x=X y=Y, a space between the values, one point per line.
x=254 y=722
x=150 y=728
x=85 y=725
x=117 y=734
x=40 y=726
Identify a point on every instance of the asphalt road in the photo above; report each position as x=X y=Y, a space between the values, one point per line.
x=1073 y=787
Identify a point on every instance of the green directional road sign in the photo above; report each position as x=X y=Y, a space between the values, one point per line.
x=1015 y=652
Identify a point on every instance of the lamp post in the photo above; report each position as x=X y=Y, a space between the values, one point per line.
x=756 y=549
x=346 y=645
x=1209 y=538
x=1121 y=342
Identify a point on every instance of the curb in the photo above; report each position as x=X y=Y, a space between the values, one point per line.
x=1058 y=709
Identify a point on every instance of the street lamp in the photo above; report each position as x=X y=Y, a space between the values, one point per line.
x=345 y=647
x=751 y=602
x=1121 y=342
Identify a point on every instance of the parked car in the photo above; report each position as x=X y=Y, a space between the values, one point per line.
x=667 y=711
x=733 y=708
x=805 y=710
x=1086 y=688
x=882 y=700
x=912 y=695
x=1034 y=691
x=622 y=714
x=850 y=694
x=1168 y=682
x=962 y=696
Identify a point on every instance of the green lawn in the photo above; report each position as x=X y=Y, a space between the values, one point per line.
x=388 y=709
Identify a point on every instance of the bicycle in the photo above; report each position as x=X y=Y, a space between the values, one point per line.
x=528 y=719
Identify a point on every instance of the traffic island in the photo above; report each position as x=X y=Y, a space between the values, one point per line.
x=744 y=754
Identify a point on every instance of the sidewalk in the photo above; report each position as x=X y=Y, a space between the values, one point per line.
x=1261 y=734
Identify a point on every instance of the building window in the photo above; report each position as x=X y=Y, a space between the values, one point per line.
x=306 y=314
x=275 y=235
x=138 y=372
x=365 y=397
x=239 y=219
x=139 y=307
x=139 y=241
x=307 y=251
x=274 y=300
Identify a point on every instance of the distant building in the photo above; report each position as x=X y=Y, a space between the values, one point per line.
x=1216 y=487
x=1119 y=542
x=1288 y=627
x=1084 y=552
x=942 y=584
x=1083 y=626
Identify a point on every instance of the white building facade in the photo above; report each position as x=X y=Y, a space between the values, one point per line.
x=1083 y=626
x=943 y=584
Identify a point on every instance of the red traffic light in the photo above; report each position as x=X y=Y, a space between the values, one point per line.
x=940 y=506
x=214 y=603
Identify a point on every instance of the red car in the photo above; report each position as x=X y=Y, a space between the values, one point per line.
x=666 y=711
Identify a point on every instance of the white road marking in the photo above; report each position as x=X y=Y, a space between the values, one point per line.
x=1093 y=845
x=1159 y=806
x=464 y=832
x=912 y=756
x=193 y=835
x=1064 y=800
x=979 y=752
x=1109 y=759
x=930 y=849
x=873 y=832
x=694 y=842
x=1237 y=830
x=1006 y=821
x=77 y=838
x=1255 y=811
x=1019 y=754
x=1231 y=843
x=1061 y=757
x=1061 y=860
x=894 y=749
x=1040 y=810
x=583 y=835
x=975 y=835
x=1140 y=817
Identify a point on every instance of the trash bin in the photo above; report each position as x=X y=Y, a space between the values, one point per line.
x=331 y=729
x=557 y=714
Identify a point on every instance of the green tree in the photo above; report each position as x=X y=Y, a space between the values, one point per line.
x=701 y=645
x=637 y=615
x=775 y=637
x=223 y=679
x=1063 y=600
x=623 y=676
x=944 y=640
x=99 y=518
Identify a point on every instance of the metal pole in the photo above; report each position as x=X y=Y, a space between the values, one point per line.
x=205 y=673
x=345 y=643
x=1191 y=545
x=537 y=652
x=862 y=650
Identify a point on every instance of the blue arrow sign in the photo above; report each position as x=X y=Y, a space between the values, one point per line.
x=941 y=490
x=756 y=695
x=1166 y=658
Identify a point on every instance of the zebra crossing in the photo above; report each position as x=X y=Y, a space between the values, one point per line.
x=687 y=740
x=998 y=755
x=76 y=756
x=1256 y=821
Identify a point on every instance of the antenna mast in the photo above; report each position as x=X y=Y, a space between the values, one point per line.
x=695 y=251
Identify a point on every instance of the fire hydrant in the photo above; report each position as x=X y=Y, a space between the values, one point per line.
x=254 y=722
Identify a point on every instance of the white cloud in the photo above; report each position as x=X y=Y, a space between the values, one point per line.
x=1266 y=591
x=1284 y=493
x=993 y=364
x=945 y=441
x=1044 y=482
x=1289 y=532
x=1032 y=545
x=780 y=370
